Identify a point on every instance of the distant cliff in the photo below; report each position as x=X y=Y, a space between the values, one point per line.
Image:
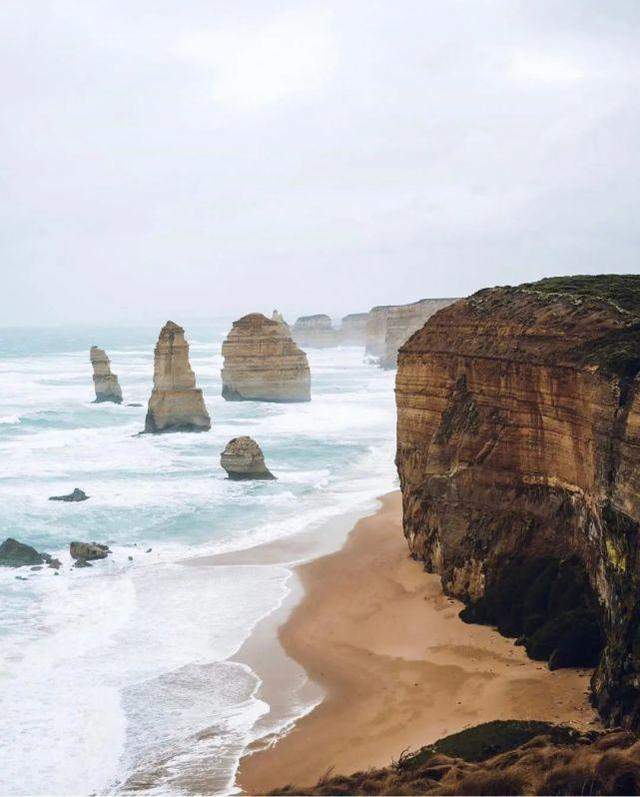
x=389 y=326
x=519 y=460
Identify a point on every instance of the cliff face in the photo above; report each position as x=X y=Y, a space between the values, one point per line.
x=176 y=404
x=403 y=321
x=519 y=461
x=353 y=329
x=389 y=326
x=262 y=363
x=105 y=383
x=315 y=331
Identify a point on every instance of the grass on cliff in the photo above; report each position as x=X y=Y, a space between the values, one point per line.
x=623 y=290
x=503 y=757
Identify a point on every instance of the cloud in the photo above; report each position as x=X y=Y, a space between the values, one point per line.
x=203 y=157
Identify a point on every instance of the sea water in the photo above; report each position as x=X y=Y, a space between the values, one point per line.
x=120 y=676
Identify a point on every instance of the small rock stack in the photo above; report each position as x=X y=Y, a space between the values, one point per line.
x=243 y=459
x=176 y=404
x=106 y=384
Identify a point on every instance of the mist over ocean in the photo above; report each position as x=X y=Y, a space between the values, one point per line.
x=121 y=670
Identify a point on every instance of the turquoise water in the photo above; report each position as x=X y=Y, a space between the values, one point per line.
x=117 y=670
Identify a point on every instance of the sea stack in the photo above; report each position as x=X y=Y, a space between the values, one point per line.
x=176 y=404
x=243 y=459
x=315 y=331
x=353 y=329
x=262 y=363
x=519 y=461
x=106 y=383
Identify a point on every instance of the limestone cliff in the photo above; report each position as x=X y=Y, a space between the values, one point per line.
x=353 y=329
x=105 y=383
x=389 y=326
x=262 y=363
x=519 y=461
x=176 y=404
x=403 y=321
x=315 y=331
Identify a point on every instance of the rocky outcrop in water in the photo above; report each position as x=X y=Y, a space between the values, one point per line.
x=76 y=495
x=262 y=363
x=353 y=329
x=519 y=461
x=106 y=384
x=243 y=459
x=176 y=404
x=18 y=554
x=389 y=326
x=88 y=551
x=315 y=331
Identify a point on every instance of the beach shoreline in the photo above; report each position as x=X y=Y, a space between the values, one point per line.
x=390 y=665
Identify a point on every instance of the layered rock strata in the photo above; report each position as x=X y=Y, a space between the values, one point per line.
x=519 y=461
x=315 y=331
x=353 y=329
x=243 y=459
x=389 y=326
x=176 y=404
x=262 y=363
x=105 y=383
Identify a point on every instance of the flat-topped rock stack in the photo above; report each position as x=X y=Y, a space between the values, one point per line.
x=243 y=459
x=262 y=363
x=314 y=330
x=176 y=404
x=105 y=383
x=353 y=329
x=389 y=326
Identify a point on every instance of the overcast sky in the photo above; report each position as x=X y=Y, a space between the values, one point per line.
x=192 y=158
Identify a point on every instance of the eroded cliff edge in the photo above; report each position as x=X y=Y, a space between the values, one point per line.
x=519 y=461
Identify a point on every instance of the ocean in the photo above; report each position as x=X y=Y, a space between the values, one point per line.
x=121 y=676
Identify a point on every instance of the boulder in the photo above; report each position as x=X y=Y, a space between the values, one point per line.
x=18 y=554
x=243 y=459
x=176 y=404
x=88 y=550
x=76 y=495
x=262 y=363
x=105 y=383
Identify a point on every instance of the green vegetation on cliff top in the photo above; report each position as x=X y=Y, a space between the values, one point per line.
x=622 y=290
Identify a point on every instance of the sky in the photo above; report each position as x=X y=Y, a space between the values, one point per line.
x=197 y=158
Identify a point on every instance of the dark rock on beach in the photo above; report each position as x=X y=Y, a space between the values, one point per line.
x=76 y=495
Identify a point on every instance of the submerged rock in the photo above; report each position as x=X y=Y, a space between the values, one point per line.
x=519 y=461
x=262 y=363
x=176 y=404
x=76 y=495
x=87 y=551
x=243 y=459
x=106 y=383
x=18 y=554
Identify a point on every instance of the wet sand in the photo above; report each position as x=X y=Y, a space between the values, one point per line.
x=397 y=667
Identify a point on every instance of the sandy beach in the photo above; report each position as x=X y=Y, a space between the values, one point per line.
x=397 y=667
